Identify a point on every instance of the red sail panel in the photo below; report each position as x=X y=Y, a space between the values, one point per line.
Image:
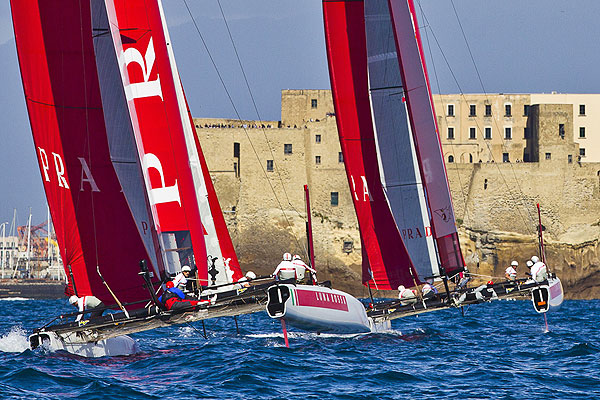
x=425 y=132
x=150 y=88
x=386 y=263
x=93 y=223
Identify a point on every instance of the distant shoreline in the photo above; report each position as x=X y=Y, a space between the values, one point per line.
x=37 y=289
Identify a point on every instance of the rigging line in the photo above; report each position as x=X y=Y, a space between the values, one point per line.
x=464 y=197
x=254 y=104
x=487 y=144
x=486 y=95
x=238 y=115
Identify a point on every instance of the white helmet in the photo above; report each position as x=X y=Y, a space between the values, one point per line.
x=287 y=257
x=296 y=257
x=534 y=259
x=73 y=299
x=401 y=288
x=529 y=264
x=250 y=275
x=514 y=264
x=186 y=268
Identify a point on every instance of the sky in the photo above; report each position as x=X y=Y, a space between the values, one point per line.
x=509 y=46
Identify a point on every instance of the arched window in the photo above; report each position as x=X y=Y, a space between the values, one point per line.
x=471 y=158
x=450 y=159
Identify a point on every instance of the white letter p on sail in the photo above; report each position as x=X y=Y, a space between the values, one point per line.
x=163 y=194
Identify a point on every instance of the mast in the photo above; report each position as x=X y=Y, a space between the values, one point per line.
x=540 y=235
x=27 y=273
x=309 y=235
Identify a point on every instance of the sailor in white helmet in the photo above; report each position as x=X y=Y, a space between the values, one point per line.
x=87 y=303
x=511 y=272
x=301 y=268
x=181 y=279
x=245 y=280
x=406 y=296
x=539 y=272
x=286 y=269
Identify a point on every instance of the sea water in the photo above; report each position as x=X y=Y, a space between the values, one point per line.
x=495 y=351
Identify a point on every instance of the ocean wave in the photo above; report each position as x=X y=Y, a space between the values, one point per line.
x=15 y=341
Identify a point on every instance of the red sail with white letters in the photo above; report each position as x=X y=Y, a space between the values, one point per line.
x=386 y=263
x=140 y=44
x=425 y=133
x=94 y=223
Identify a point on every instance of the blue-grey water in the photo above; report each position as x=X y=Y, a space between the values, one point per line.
x=496 y=351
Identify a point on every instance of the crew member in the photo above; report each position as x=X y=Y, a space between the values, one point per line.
x=301 y=268
x=511 y=272
x=87 y=303
x=428 y=290
x=539 y=271
x=181 y=279
x=286 y=269
x=174 y=299
x=407 y=296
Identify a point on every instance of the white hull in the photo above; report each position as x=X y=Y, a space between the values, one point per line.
x=548 y=297
x=116 y=346
x=317 y=309
x=556 y=293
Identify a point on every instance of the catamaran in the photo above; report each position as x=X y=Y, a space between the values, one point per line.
x=396 y=172
x=123 y=172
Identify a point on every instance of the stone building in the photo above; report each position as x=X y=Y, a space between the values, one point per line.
x=260 y=167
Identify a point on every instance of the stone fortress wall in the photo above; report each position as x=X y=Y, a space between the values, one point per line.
x=259 y=169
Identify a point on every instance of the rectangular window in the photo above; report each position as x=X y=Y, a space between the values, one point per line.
x=582 y=152
x=505 y=157
x=507 y=110
x=488 y=132
x=581 y=131
x=570 y=158
x=317 y=160
x=313 y=103
x=287 y=148
x=317 y=138
x=270 y=165
x=334 y=199
x=548 y=156
x=508 y=133
x=472 y=110
x=236 y=149
x=561 y=130
x=450 y=132
x=340 y=157
x=451 y=110
x=526 y=110
x=472 y=133
x=582 y=109
x=488 y=110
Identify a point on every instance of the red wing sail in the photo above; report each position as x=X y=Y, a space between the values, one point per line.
x=93 y=221
x=151 y=91
x=425 y=133
x=386 y=263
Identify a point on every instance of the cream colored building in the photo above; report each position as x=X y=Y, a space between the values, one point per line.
x=502 y=127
